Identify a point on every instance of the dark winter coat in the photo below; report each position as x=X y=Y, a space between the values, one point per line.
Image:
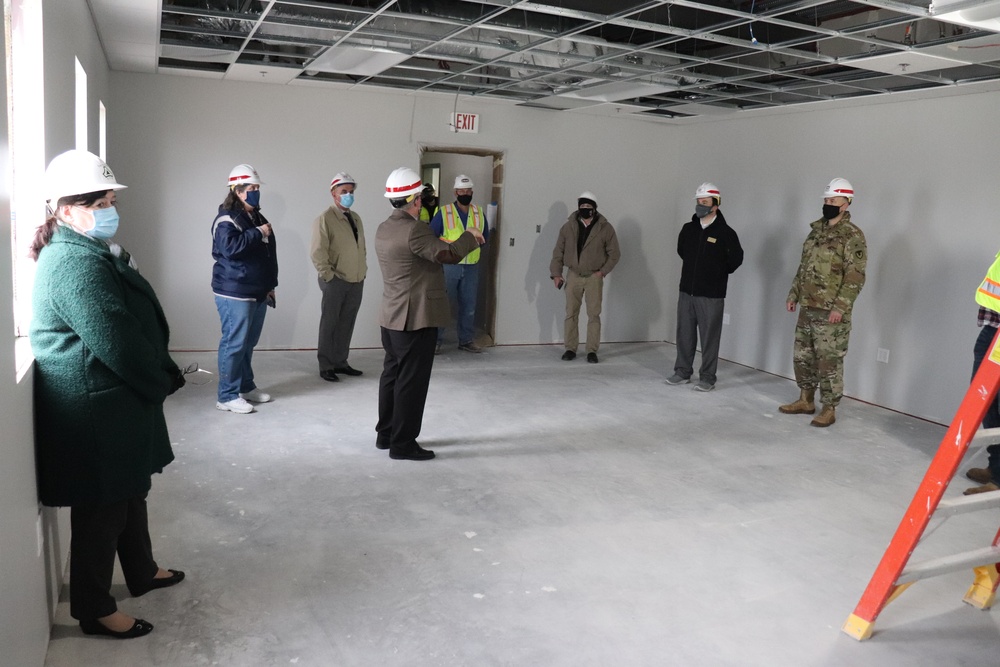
x=102 y=372
x=709 y=255
x=246 y=263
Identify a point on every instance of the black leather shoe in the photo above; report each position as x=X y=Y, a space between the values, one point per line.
x=347 y=370
x=569 y=355
x=329 y=376
x=176 y=577
x=591 y=357
x=381 y=442
x=414 y=453
x=140 y=628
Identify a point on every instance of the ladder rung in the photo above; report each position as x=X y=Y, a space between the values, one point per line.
x=986 y=436
x=963 y=504
x=962 y=561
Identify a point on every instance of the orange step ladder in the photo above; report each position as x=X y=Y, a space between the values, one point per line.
x=893 y=576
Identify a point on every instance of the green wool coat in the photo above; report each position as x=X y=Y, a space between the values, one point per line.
x=102 y=372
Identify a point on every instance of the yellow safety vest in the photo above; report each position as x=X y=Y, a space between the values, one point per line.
x=426 y=215
x=988 y=294
x=453 y=227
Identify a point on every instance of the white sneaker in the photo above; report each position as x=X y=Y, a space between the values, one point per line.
x=256 y=396
x=237 y=405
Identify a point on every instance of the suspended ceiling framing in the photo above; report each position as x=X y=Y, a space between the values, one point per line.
x=659 y=59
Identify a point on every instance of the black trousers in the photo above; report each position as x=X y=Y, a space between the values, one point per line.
x=402 y=389
x=97 y=534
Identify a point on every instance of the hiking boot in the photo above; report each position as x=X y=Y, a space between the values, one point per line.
x=826 y=417
x=803 y=406
x=985 y=488
x=980 y=475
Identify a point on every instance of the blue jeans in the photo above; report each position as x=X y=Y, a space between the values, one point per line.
x=242 y=322
x=462 y=283
x=992 y=417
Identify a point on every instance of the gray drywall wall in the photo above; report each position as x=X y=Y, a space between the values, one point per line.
x=176 y=138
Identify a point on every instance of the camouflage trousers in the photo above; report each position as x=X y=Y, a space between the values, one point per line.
x=819 y=353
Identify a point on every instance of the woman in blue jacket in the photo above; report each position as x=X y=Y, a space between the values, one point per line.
x=243 y=280
x=102 y=372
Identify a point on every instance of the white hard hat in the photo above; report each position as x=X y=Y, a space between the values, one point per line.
x=708 y=190
x=343 y=178
x=839 y=187
x=244 y=174
x=589 y=196
x=77 y=172
x=463 y=182
x=402 y=182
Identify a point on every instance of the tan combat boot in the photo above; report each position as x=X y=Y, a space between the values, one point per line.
x=826 y=416
x=803 y=406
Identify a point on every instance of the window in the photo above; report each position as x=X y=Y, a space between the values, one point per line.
x=81 y=107
x=26 y=134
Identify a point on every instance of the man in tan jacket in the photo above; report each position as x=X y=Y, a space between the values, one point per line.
x=338 y=253
x=588 y=248
x=414 y=305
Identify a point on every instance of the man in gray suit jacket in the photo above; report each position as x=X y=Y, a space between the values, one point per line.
x=414 y=305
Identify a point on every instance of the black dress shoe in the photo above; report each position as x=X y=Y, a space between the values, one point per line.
x=414 y=453
x=347 y=370
x=176 y=577
x=569 y=355
x=139 y=629
x=329 y=376
x=591 y=357
x=381 y=442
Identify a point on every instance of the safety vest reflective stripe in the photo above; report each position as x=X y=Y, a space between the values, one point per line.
x=988 y=294
x=453 y=227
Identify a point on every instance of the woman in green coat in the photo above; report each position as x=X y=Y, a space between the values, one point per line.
x=102 y=372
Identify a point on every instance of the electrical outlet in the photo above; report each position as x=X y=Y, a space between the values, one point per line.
x=882 y=356
x=725 y=319
x=538 y=229
x=512 y=242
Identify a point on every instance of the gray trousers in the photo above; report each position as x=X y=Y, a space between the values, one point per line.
x=339 y=310
x=698 y=314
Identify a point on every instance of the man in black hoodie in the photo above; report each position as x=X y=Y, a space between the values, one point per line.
x=710 y=250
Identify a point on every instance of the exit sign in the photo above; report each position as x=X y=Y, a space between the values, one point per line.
x=465 y=122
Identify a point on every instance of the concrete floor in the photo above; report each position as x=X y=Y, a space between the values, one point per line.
x=576 y=515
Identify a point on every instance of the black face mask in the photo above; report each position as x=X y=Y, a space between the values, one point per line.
x=587 y=213
x=701 y=210
x=430 y=202
x=464 y=200
x=830 y=211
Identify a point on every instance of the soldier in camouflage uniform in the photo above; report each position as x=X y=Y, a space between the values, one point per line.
x=830 y=277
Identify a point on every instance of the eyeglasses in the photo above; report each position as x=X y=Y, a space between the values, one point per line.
x=193 y=368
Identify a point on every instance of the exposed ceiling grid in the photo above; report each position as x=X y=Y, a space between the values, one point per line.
x=661 y=59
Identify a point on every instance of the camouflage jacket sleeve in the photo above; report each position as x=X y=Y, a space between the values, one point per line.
x=855 y=263
x=795 y=291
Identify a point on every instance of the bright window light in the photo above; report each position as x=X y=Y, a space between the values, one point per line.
x=81 y=106
x=27 y=144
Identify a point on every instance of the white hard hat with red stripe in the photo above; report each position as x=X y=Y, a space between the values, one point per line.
x=402 y=183
x=839 y=187
x=708 y=190
x=244 y=174
x=343 y=178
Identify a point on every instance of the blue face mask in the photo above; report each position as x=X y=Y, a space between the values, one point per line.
x=105 y=223
x=347 y=199
x=253 y=198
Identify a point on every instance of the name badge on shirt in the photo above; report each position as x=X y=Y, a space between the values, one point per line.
x=711 y=239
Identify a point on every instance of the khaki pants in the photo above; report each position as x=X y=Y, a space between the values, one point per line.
x=579 y=288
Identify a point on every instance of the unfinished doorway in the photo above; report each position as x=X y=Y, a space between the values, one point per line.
x=485 y=168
